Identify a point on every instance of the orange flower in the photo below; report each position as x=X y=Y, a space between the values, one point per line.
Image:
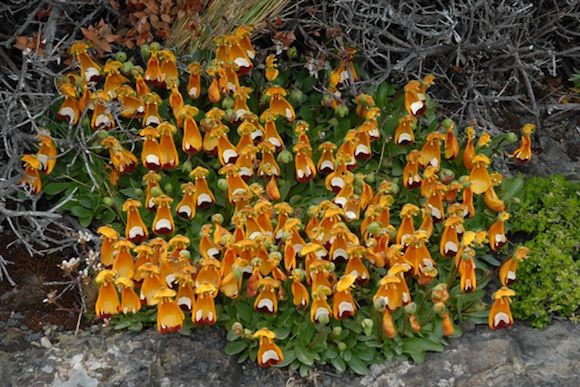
x=149 y=273
x=203 y=195
x=114 y=79
x=267 y=301
x=135 y=231
x=102 y=117
x=236 y=184
x=411 y=177
x=346 y=150
x=194 y=82
x=326 y=162
x=213 y=91
x=151 y=116
x=46 y=154
x=131 y=104
x=175 y=100
x=448 y=328
x=524 y=152
x=404 y=132
x=169 y=155
x=500 y=315
x=343 y=303
x=191 y=141
x=415 y=95
x=406 y=229
x=241 y=96
x=168 y=68
x=300 y=296
x=320 y=310
x=278 y=104
x=151 y=179
x=507 y=271
x=123 y=262
x=227 y=153
x=497 y=237
x=431 y=151
x=31 y=176
x=345 y=73
x=90 y=70
x=108 y=238
x=186 y=207
x=388 y=325
x=270 y=132
x=107 y=303
x=271 y=68
x=151 y=152
x=268 y=353
x=479 y=177
x=204 y=312
x=169 y=315
x=123 y=160
x=451 y=143
x=492 y=201
x=153 y=71
x=268 y=166
x=163 y=221
x=469 y=150
x=244 y=33
x=130 y=302
x=355 y=265
x=364 y=102
x=305 y=168
x=449 y=244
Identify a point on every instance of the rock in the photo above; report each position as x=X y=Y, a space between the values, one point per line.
x=519 y=356
x=45 y=342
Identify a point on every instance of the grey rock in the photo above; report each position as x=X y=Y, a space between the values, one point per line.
x=103 y=357
x=45 y=342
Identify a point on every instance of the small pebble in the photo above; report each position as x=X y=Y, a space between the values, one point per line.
x=45 y=342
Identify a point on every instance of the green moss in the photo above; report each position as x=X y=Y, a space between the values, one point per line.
x=549 y=280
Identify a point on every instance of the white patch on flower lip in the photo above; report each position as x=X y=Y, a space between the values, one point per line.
x=254 y=235
x=374 y=133
x=151 y=203
x=256 y=134
x=416 y=106
x=140 y=109
x=288 y=113
x=435 y=212
x=136 y=231
x=270 y=354
x=434 y=162
x=500 y=238
x=511 y=276
x=405 y=297
x=266 y=303
x=240 y=113
x=152 y=159
x=169 y=279
x=410 y=180
x=199 y=315
x=417 y=178
x=228 y=155
x=184 y=209
x=213 y=252
x=340 y=201
x=43 y=159
x=321 y=253
x=337 y=182
x=351 y=215
x=163 y=223
x=102 y=119
x=327 y=164
x=184 y=301
x=300 y=173
x=67 y=112
x=354 y=273
x=91 y=72
x=245 y=171
x=298 y=247
x=274 y=141
x=450 y=246
x=499 y=317
x=361 y=148
x=343 y=76
x=320 y=312
x=339 y=253
x=242 y=62
x=203 y=198
x=279 y=233
x=192 y=91
x=404 y=238
x=404 y=137
x=345 y=306
x=238 y=191
x=152 y=120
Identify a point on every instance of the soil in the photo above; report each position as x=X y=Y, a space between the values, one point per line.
x=30 y=275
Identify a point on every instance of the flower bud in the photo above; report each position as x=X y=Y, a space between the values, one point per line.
x=511 y=138
x=186 y=166
x=108 y=201
x=336 y=331
x=217 y=218
x=168 y=188
x=145 y=52
x=333 y=122
x=292 y=52
x=284 y=157
x=222 y=184
x=439 y=307
x=367 y=325
x=227 y=103
x=374 y=227
x=341 y=110
x=411 y=308
x=370 y=178
x=156 y=191
x=323 y=319
x=155 y=46
x=447 y=176
x=102 y=134
x=139 y=192
x=237 y=329
x=341 y=346
x=121 y=56
x=127 y=68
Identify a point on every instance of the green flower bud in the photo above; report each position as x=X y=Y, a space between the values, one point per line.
x=127 y=68
x=185 y=254
x=145 y=52
x=121 y=56
x=447 y=176
x=108 y=201
x=336 y=331
x=297 y=95
x=333 y=122
x=411 y=308
x=237 y=329
x=324 y=319
x=222 y=184
x=155 y=46
x=292 y=52
x=341 y=346
x=370 y=178
x=217 y=218
x=168 y=188
x=516 y=200
x=374 y=227
x=227 y=103
x=156 y=191
x=186 y=166
x=139 y=192
x=284 y=157
x=341 y=110
x=102 y=134
x=367 y=323
x=511 y=138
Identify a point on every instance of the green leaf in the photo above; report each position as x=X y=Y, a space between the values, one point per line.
x=236 y=347
x=85 y=222
x=137 y=326
x=418 y=357
x=55 y=188
x=358 y=366
x=419 y=344
x=339 y=364
x=303 y=355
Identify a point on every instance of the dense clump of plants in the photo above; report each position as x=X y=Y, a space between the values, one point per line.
x=549 y=282
x=316 y=225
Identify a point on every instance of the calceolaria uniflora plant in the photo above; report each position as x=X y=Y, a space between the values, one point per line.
x=316 y=227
